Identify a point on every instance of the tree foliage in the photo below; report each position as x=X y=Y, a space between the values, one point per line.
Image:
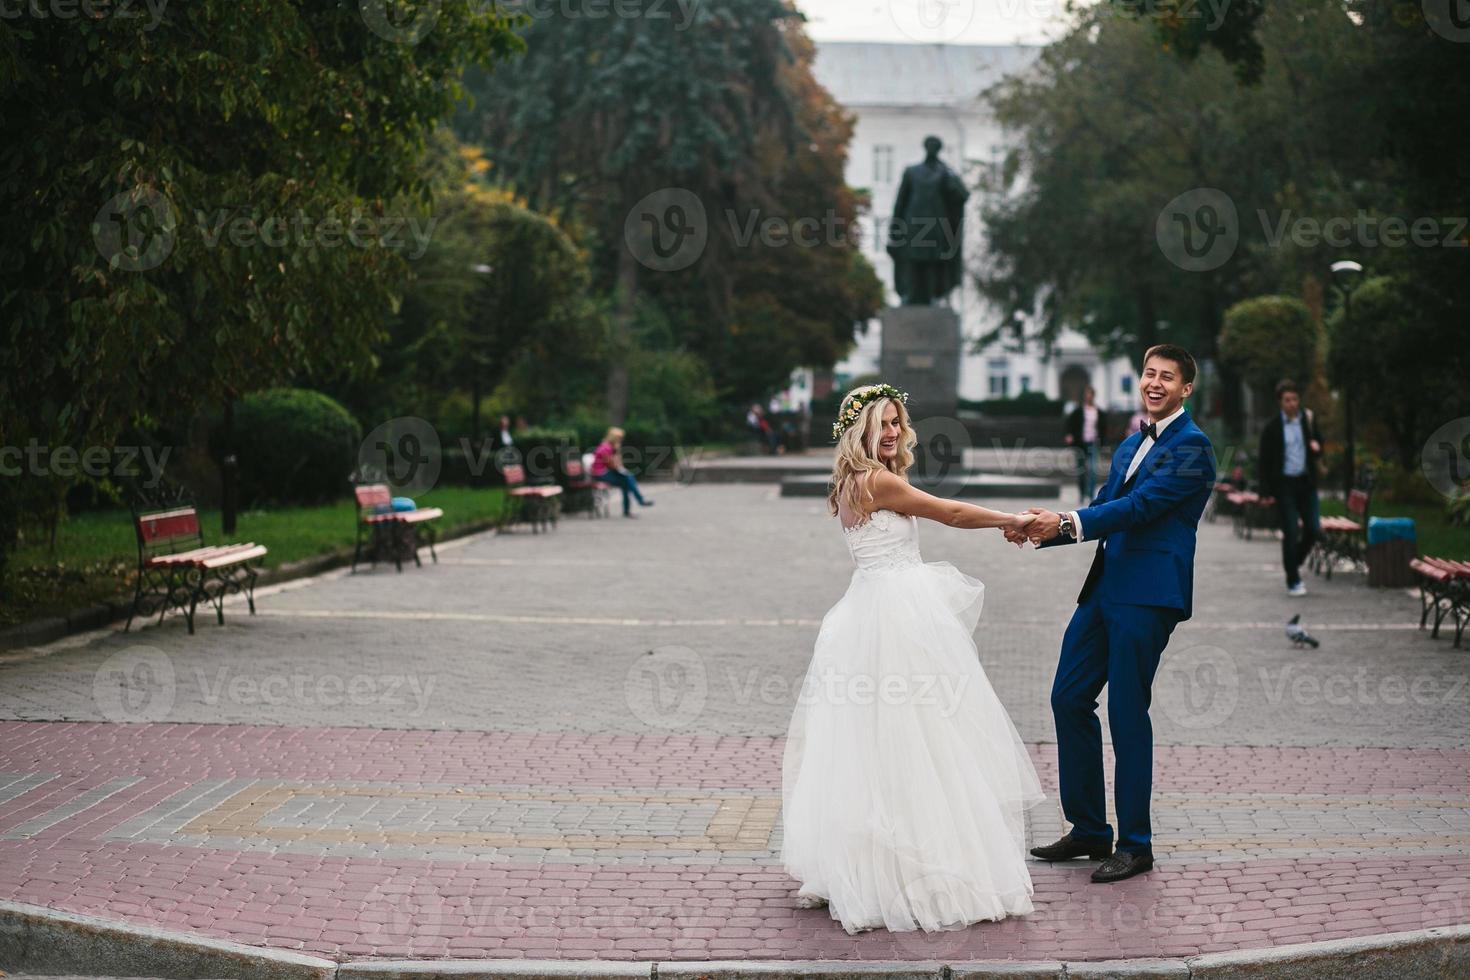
x=172 y=183
x=1348 y=131
x=605 y=111
x=1387 y=352
x=1268 y=338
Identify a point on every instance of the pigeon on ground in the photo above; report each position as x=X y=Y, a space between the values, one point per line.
x=1298 y=635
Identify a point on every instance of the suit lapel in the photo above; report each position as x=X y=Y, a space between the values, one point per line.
x=1116 y=483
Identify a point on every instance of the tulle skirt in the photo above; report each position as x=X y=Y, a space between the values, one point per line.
x=904 y=781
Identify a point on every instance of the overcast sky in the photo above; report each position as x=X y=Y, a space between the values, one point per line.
x=956 y=21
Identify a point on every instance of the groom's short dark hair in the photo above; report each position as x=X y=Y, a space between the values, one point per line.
x=1173 y=352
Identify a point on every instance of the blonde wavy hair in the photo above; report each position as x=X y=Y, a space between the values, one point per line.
x=857 y=451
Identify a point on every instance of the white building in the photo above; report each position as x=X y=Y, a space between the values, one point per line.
x=900 y=94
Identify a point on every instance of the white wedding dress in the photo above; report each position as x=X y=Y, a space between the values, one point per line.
x=904 y=781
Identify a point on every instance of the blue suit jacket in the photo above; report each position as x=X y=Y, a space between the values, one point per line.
x=1145 y=528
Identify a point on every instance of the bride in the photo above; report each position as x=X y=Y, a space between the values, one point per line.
x=903 y=780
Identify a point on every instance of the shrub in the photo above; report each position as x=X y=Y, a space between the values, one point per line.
x=293 y=446
x=1029 y=404
x=1269 y=338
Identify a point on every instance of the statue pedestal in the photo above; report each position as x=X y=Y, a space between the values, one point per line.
x=921 y=355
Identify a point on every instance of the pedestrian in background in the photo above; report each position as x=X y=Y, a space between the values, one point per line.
x=1085 y=427
x=607 y=467
x=1291 y=447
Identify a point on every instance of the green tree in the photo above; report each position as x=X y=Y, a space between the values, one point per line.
x=500 y=295
x=1385 y=350
x=1119 y=139
x=721 y=115
x=174 y=182
x=1269 y=338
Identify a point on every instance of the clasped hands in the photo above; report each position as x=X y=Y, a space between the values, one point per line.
x=1035 y=525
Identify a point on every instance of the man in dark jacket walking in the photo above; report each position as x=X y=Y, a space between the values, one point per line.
x=1291 y=445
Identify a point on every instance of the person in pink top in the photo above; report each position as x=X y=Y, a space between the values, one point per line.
x=607 y=467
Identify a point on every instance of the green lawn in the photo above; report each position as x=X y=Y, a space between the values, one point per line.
x=96 y=553
x=1436 y=536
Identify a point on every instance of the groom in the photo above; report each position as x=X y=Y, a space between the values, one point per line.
x=1141 y=585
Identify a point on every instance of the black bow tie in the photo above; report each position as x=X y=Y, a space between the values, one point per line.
x=1150 y=430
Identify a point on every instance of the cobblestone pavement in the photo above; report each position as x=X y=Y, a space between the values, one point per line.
x=568 y=746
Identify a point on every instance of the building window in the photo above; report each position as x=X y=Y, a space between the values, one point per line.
x=1127 y=384
x=1000 y=381
x=1025 y=383
x=883 y=164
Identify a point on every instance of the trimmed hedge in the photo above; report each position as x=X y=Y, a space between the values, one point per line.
x=294 y=447
x=1028 y=403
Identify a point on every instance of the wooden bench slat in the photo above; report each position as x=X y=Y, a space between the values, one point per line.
x=198 y=555
x=234 y=557
x=184 y=557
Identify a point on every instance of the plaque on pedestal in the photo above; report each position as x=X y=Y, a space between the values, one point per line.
x=921 y=355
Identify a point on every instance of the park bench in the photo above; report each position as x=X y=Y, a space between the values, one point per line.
x=388 y=533
x=537 y=505
x=1250 y=512
x=583 y=491
x=176 y=570
x=1220 y=504
x=1345 y=538
x=1444 y=588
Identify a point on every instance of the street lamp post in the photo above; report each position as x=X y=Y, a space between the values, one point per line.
x=1348 y=274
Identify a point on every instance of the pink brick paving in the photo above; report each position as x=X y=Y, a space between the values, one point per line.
x=251 y=889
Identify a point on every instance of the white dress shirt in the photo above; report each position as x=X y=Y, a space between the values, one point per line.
x=1138 y=458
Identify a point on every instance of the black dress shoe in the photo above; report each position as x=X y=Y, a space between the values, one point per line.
x=1068 y=848
x=1122 y=865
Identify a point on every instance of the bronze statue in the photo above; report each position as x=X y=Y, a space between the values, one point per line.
x=926 y=238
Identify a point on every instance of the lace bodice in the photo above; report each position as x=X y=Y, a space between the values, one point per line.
x=886 y=540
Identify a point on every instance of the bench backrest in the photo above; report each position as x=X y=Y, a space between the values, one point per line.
x=371 y=496
x=167 y=531
x=514 y=474
x=574 y=468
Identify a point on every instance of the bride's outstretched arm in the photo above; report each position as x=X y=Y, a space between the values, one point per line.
x=892 y=492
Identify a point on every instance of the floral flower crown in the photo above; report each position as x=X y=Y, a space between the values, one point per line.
x=860 y=399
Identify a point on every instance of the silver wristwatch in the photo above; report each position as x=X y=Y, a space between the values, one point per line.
x=1067 y=528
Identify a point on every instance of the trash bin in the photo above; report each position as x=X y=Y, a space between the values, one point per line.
x=1392 y=544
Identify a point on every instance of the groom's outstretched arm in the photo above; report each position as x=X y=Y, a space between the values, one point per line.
x=1191 y=465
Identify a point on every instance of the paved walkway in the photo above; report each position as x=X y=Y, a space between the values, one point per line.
x=568 y=746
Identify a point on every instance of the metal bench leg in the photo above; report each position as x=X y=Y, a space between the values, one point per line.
x=137 y=595
x=194 y=595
